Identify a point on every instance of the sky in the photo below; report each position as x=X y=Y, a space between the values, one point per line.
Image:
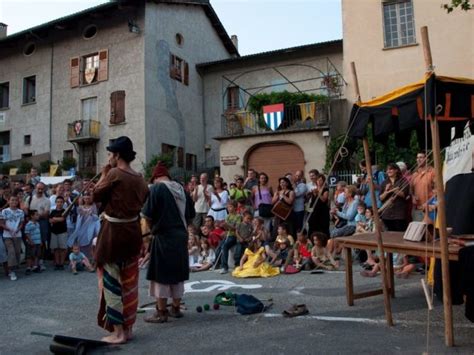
x=260 y=25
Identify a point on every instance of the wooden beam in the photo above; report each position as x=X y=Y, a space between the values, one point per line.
x=441 y=214
x=377 y=221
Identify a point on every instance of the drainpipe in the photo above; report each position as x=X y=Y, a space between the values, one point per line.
x=204 y=121
x=51 y=102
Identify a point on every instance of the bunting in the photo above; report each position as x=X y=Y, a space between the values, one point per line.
x=245 y=118
x=308 y=111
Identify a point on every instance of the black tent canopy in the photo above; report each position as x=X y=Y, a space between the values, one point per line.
x=403 y=110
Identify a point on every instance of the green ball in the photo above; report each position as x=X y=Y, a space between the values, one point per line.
x=207 y=307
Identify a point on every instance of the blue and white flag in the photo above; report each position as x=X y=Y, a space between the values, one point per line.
x=273 y=115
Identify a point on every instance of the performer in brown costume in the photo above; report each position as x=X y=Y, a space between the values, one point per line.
x=122 y=192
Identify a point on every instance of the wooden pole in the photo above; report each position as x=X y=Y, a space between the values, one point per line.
x=441 y=214
x=377 y=222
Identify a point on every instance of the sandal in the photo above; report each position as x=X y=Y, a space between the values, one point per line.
x=158 y=317
x=175 y=312
x=295 y=311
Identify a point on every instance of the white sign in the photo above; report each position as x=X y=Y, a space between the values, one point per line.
x=219 y=285
x=458 y=158
x=53 y=180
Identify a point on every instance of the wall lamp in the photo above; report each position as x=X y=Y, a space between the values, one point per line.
x=133 y=27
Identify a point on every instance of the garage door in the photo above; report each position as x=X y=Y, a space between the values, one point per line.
x=276 y=159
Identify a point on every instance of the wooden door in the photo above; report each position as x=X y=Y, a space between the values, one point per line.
x=276 y=159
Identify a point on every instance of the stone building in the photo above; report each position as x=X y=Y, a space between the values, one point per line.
x=244 y=138
x=70 y=86
x=383 y=39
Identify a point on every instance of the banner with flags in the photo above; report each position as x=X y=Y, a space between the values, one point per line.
x=273 y=115
x=308 y=110
x=245 y=118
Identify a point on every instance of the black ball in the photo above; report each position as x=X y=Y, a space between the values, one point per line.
x=199 y=309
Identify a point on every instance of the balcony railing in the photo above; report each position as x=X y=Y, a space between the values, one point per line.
x=83 y=131
x=295 y=118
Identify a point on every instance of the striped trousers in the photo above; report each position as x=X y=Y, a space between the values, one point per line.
x=118 y=287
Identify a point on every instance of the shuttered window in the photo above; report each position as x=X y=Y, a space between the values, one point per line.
x=117 y=107
x=180 y=157
x=233 y=98
x=191 y=162
x=89 y=68
x=103 y=65
x=75 y=72
x=179 y=69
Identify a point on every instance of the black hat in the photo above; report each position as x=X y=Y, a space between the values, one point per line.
x=124 y=146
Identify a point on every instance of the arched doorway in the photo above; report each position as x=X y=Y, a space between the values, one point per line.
x=276 y=159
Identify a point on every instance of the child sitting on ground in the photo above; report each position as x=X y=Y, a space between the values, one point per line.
x=360 y=218
x=193 y=250
x=302 y=252
x=207 y=257
x=78 y=260
x=320 y=256
x=280 y=253
x=283 y=234
x=369 y=227
x=259 y=230
x=33 y=245
x=253 y=262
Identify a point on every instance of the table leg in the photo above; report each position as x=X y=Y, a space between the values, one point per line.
x=349 y=277
x=391 y=279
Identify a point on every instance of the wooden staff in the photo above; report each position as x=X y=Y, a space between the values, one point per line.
x=69 y=208
x=377 y=222
x=441 y=214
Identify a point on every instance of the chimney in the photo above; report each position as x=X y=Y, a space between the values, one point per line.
x=235 y=41
x=3 y=30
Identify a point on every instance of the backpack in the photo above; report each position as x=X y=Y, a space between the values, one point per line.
x=248 y=304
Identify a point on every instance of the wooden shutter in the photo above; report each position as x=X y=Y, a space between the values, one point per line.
x=117 y=107
x=120 y=106
x=172 y=66
x=186 y=74
x=103 y=65
x=74 y=72
x=113 y=99
x=180 y=157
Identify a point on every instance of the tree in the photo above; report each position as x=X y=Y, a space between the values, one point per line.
x=382 y=153
x=463 y=4
x=167 y=159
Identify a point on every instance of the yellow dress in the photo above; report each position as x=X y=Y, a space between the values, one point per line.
x=263 y=270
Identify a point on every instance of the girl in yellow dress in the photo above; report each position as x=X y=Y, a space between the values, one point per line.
x=253 y=262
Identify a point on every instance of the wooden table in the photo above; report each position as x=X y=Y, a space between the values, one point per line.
x=393 y=242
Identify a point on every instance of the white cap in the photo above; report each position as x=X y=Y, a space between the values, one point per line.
x=402 y=166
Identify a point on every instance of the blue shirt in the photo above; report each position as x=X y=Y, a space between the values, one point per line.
x=300 y=193
x=360 y=218
x=32 y=230
x=349 y=211
x=77 y=257
x=378 y=178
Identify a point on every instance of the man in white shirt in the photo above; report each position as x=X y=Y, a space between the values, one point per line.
x=300 y=195
x=201 y=195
